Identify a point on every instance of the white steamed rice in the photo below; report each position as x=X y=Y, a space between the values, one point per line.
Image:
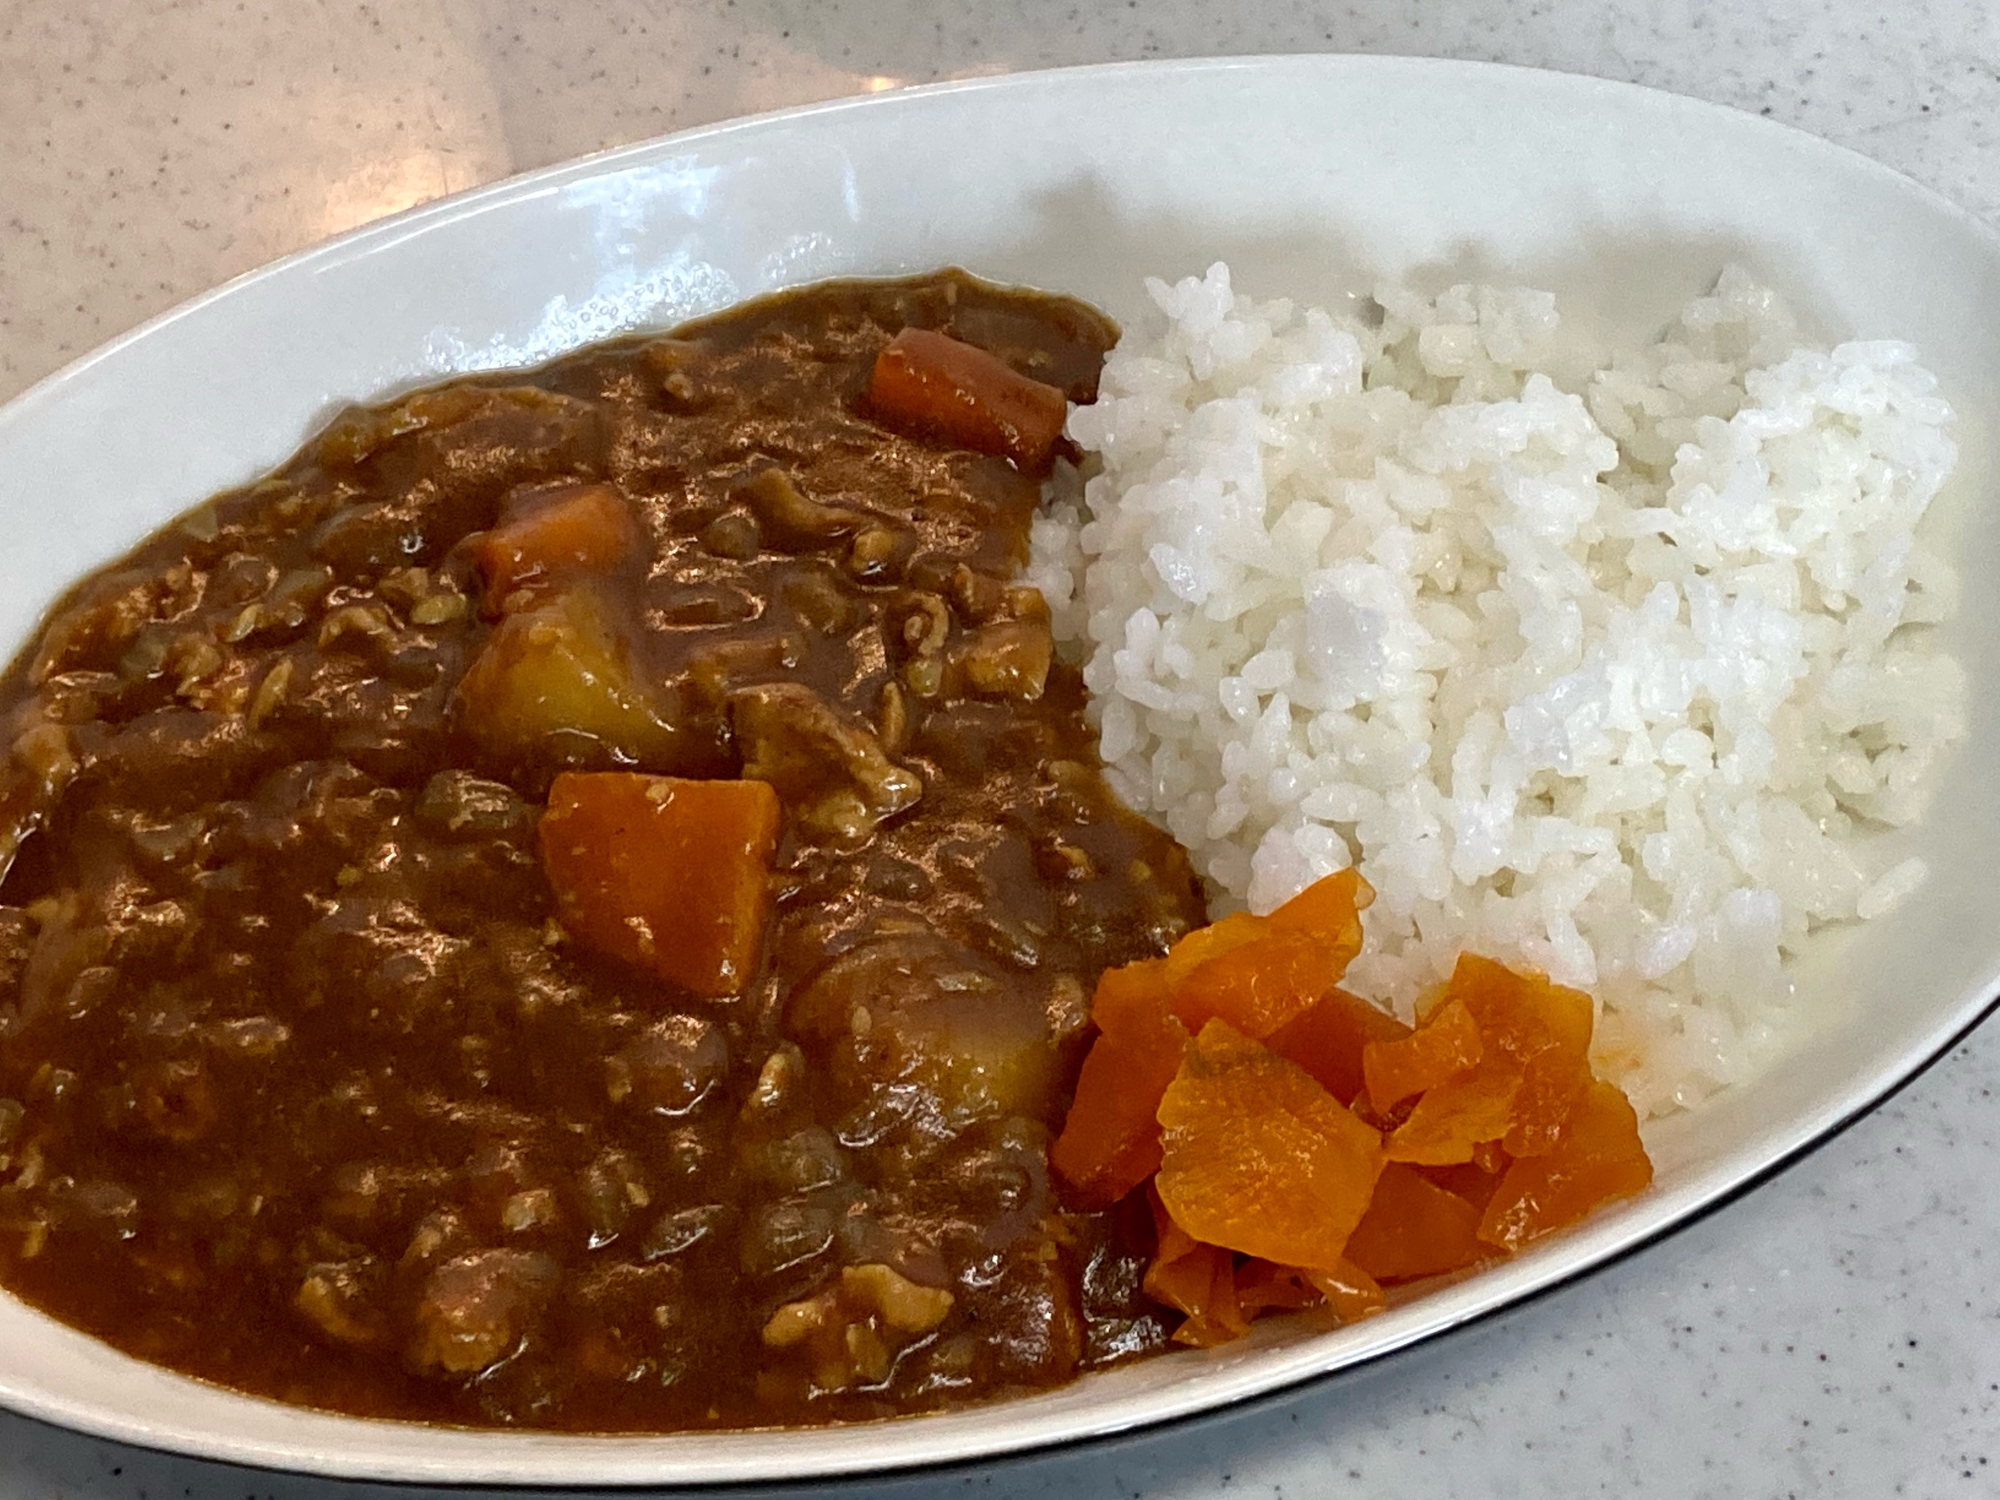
x=1612 y=679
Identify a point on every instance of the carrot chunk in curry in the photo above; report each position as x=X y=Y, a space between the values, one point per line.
x=668 y=874
x=551 y=529
x=939 y=386
x=1310 y=1146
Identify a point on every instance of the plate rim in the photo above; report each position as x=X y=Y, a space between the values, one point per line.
x=535 y=181
x=627 y=1465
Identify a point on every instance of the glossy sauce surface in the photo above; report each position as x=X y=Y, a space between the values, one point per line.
x=303 y=1087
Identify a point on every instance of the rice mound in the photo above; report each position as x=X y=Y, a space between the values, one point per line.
x=1620 y=680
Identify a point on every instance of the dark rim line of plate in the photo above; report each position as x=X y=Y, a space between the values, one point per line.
x=536 y=181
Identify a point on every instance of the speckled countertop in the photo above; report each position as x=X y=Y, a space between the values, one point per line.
x=1835 y=1333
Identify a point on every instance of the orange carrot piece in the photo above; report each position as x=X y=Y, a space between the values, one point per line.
x=667 y=874
x=1328 y=1039
x=1258 y=1158
x=1445 y=1045
x=1598 y=1158
x=554 y=529
x=937 y=387
x=1414 y=1228
x=1451 y=1121
x=1110 y=1141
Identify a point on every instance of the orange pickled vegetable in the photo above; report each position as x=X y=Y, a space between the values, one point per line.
x=1204 y=945
x=1474 y=1180
x=1598 y=1158
x=1452 y=1121
x=1197 y=1280
x=1259 y=1158
x=937 y=387
x=1259 y=986
x=1552 y=1082
x=1261 y=973
x=1257 y=973
x=1349 y=1291
x=1414 y=1228
x=1544 y=1028
x=668 y=874
x=1264 y=1286
x=1328 y=1040
x=1147 y=988
x=1330 y=910
x=1203 y=1285
x=1446 y=1045
x=1182 y=1274
x=554 y=529
x=1110 y=1142
x=1272 y=1188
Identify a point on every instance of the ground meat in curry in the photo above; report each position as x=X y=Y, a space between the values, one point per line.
x=305 y=1088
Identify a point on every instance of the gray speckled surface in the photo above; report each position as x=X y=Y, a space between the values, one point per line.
x=1835 y=1333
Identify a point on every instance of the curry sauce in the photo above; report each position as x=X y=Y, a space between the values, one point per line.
x=310 y=1085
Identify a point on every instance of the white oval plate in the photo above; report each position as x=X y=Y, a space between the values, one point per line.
x=1309 y=175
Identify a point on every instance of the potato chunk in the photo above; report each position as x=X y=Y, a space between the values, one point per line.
x=668 y=874
x=560 y=672
x=918 y=1016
